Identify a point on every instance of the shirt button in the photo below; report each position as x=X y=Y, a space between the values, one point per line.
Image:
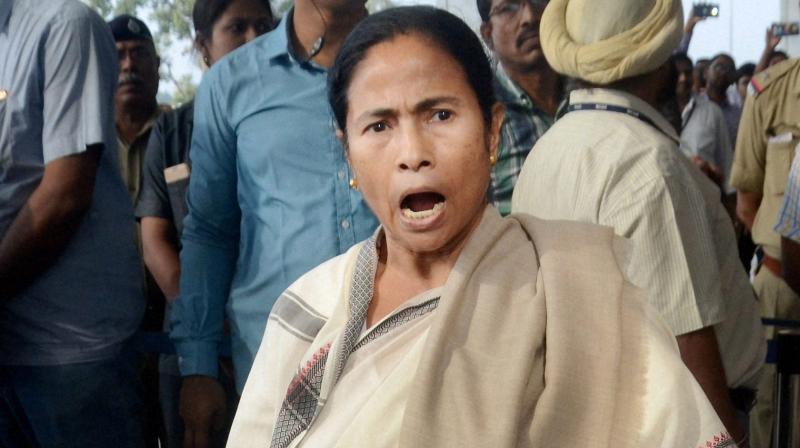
x=341 y=175
x=345 y=224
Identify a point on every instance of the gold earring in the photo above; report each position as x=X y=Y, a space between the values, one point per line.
x=492 y=159
x=354 y=184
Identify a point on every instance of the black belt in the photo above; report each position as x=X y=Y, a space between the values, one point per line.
x=742 y=398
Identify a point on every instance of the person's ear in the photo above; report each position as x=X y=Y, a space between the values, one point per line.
x=200 y=43
x=498 y=114
x=486 y=34
x=342 y=137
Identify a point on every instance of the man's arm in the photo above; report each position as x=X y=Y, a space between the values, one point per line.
x=688 y=31
x=48 y=220
x=161 y=255
x=159 y=236
x=210 y=242
x=747 y=207
x=700 y=353
x=790 y=259
x=667 y=221
x=772 y=41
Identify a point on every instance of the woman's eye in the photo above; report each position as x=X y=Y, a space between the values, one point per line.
x=442 y=115
x=264 y=26
x=237 y=28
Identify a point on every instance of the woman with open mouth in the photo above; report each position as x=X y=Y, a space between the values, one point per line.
x=452 y=326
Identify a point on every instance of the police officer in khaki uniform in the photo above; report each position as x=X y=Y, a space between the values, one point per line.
x=768 y=134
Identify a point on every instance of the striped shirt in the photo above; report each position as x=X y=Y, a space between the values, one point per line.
x=617 y=170
x=789 y=216
x=523 y=125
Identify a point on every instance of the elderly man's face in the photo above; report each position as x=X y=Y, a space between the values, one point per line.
x=138 y=74
x=512 y=32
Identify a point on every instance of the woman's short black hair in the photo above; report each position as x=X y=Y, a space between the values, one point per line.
x=206 y=12
x=438 y=26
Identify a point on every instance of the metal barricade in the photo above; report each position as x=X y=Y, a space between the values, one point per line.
x=787 y=390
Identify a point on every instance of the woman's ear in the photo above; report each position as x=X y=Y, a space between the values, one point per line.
x=498 y=113
x=200 y=43
x=342 y=137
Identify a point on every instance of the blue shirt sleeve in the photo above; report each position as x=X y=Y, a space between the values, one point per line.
x=80 y=71
x=789 y=216
x=210 y=235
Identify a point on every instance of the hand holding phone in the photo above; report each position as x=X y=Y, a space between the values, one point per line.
x=706 y=10
x=780 y=29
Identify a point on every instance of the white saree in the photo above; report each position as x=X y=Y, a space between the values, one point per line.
x=535 y=340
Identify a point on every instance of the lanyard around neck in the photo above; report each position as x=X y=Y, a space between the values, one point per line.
x=613 y=108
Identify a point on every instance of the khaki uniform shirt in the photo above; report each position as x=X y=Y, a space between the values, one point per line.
x=768 y=134
x=613 y=169
x=131 y=157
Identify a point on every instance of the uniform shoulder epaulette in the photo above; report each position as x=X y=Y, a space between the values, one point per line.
x=762 y=81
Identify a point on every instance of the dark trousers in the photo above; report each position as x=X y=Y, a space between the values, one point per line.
x=92 y=404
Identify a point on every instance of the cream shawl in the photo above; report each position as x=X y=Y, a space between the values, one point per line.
x=537 y=341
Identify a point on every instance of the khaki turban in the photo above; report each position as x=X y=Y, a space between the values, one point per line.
x=603 y=41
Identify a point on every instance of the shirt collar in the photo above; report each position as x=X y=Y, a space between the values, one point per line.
x=624 y=99
x=5 y=12
x=280 y=39
x=509 y=91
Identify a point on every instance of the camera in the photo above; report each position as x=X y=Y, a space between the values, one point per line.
x=706 y=10
x=786 y=29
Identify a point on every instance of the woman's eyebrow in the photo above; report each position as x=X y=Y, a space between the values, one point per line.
x=430 y=103
x=422 y=106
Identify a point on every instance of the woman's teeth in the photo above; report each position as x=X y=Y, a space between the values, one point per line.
x=422 y=214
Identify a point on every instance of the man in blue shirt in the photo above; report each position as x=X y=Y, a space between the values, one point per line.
x=268 y=195
x=788 y=227
x=70 y=281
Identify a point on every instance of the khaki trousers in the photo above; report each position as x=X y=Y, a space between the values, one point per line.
x=776 y=300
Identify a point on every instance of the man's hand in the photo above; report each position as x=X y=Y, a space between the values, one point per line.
x=709 y=170
x=202 y=407
x=772 y=40
x=747 y=205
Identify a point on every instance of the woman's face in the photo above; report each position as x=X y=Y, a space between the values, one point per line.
x=241 y=22
x=418 y=145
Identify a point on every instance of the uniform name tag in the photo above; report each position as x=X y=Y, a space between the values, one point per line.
x=177 y=173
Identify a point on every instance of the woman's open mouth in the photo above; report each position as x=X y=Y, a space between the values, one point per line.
x=420 y=206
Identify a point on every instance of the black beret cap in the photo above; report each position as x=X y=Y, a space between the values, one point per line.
x=128 y=27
